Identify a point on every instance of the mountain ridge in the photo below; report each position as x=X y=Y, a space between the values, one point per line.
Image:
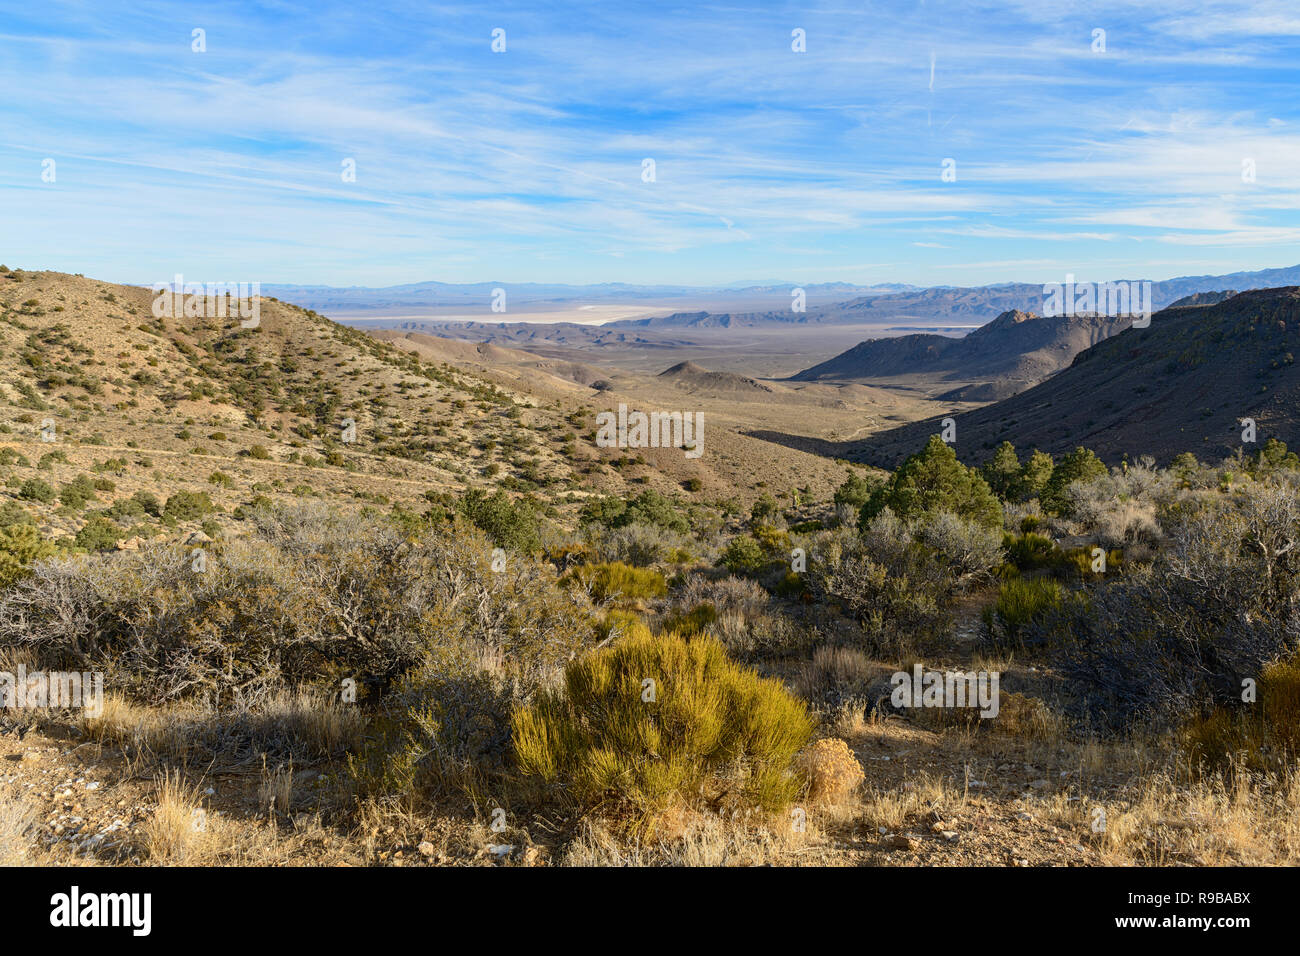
x=1183 y=384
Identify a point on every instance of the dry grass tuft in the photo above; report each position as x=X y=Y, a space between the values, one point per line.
x=18 y=818
x=180 y=832
x=275 y=795
x=892 y=807
x=834 y=671
x=701 y=840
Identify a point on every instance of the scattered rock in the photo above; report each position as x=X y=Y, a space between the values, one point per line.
x=426 y=848
x=903 y=841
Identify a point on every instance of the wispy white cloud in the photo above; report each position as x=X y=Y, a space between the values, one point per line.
x=528 y=164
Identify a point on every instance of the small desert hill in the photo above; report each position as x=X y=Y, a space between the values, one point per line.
x=1181 y=385
x=692 y=378
x=741 y=390
x=1014 y=351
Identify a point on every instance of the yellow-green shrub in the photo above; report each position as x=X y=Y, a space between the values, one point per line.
x=625 y=622
x=20 y=546
x=1081 y=560
x=619 y=581
x=651 y=722
x=692 y=622
x=1029 y=550
x=1019 y=601
x=772 y=540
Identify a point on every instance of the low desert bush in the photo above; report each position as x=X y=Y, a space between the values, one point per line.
x=445 y=727
x=311 y=597
x=1120 y=509
x=640 y=545
x=1160 y=642
x=188 y=505
x=744 y=555
x=514 y=525
x=653 y=721
x=1030 y=551
x=896 y=587
x=692 y=622
x=727 y=595
x=97 y=534
x=34 y=489
x=832 y=771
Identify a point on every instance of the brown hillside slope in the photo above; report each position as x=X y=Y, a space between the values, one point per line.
x=153 y=406
x=517 y=365
x=204 y=405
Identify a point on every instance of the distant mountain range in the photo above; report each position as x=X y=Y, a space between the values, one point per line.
x=835 y=302
x=945 y=305
x=1183 y=384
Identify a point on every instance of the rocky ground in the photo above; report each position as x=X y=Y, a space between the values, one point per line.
x=929 y=798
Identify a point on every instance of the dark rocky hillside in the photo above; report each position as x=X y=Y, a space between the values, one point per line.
x=1014 y=351
x=1183 y=384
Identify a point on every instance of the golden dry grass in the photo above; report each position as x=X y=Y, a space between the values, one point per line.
x=18 y=818
x=701 y=840
x=180 y=832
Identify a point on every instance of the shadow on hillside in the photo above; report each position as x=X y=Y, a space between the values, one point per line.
x=886 y=450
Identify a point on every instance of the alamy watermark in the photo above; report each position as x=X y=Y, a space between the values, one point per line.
x=84 y=689
x=75 y=908
x=923 y=688
x=626 y=429
x=1104 y=298
x=195 y=296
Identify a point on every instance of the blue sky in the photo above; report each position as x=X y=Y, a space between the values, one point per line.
x=770 y=164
